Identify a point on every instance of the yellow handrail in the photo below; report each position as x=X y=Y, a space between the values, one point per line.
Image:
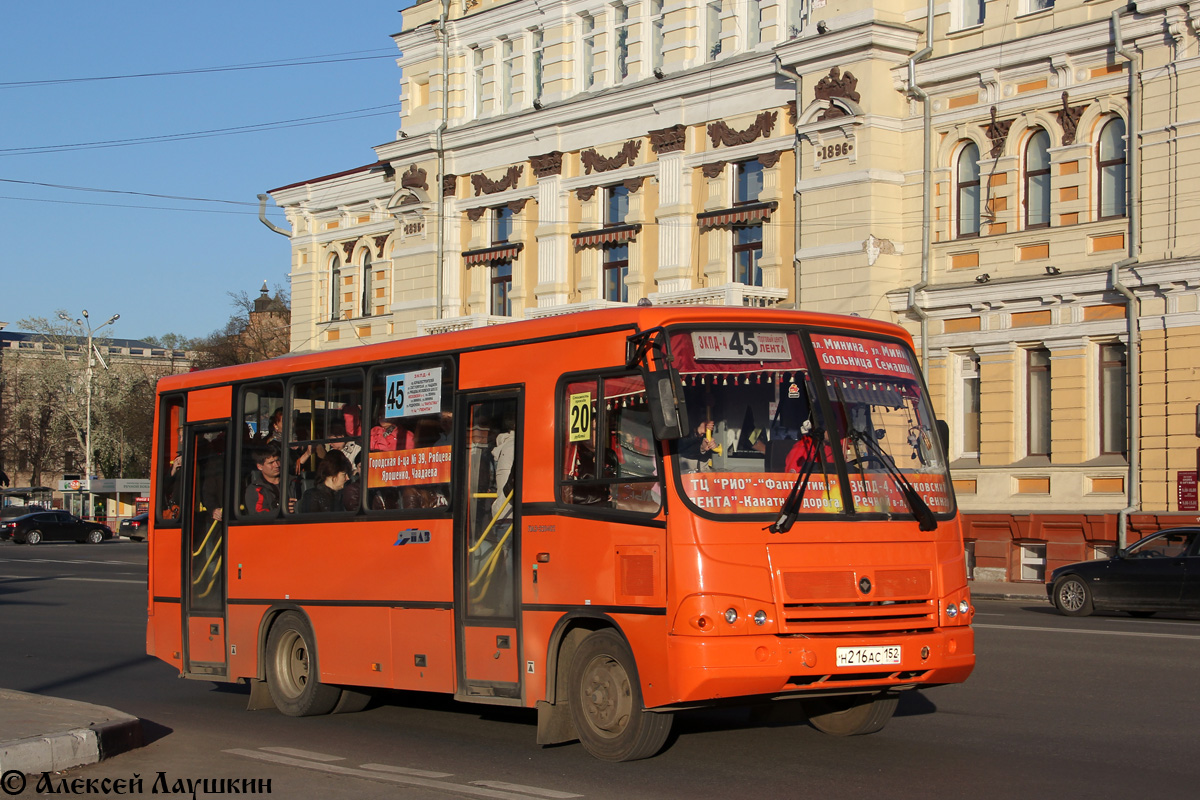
x=211 y=528
x=204 y=569
x=495 y=518
x=489 y=566
x=213 y=582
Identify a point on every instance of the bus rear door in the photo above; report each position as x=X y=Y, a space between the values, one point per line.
x=488 y=533
x=204 y=567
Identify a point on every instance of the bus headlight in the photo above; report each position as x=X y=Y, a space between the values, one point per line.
x=760 y=617
x=963 y=607
x=951 y=611
x=731 y=615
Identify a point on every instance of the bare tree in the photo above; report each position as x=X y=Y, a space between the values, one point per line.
x=258 y=329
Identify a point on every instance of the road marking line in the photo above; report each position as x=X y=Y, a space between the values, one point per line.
x=65 y=578
x=1096 y=633
x=338 y=769
x=291 y=751
x=420 y=773
x=533 y=790
x=65 y=561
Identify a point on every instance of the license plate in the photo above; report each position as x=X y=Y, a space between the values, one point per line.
x=868 y=656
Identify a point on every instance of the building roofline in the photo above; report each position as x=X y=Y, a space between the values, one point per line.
x=344 y=173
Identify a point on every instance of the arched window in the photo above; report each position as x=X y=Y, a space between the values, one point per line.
x=967 y=194
x=1111 y=168
x=366 y=283
x=335 y=285
x=1037 y=181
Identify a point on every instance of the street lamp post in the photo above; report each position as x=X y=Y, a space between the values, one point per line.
x=87 y=435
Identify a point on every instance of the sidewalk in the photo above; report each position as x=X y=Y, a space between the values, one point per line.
x=1000 y=590
x=47 y=734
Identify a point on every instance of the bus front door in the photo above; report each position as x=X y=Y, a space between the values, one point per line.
x=488 y=532
x=204 y=553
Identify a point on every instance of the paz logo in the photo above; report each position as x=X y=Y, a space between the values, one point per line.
x=412 y=536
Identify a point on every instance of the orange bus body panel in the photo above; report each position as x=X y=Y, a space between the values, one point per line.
x=206 y=404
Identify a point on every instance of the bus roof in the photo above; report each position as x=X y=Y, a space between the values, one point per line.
x=632 y=317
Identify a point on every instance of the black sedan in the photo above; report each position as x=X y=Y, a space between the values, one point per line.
x=136 y=528
x=48 y=526
x=1159 y=573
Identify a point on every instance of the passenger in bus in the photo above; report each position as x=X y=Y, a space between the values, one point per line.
x=805 y=450
x=386 y=436
x=696 y=451
x=262 y=495
x=326 y=495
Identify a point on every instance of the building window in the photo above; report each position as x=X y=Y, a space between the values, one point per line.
x=1111 y=164
x=748 y=182
x=1113 y=400
x=477 y=81
x=967 y=191
x=753 y=23
x=1033 y=562
x=616 y=270
x=500 y=303
x=587 y=25
x=747 y=250
x=621 y=43
x=366 y=283
x=1037 y=405
x=1037 y=181
x=657 y=19
x=507 y=59
x=1038 y=5
x=712 y=30
x=335 y=285
x=537 y=50
x=502 y=224
x=616 y=205
x=970 y=13
x=970 y=406
x=799 y=13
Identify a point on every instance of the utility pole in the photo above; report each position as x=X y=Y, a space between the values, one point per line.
x=87 y=435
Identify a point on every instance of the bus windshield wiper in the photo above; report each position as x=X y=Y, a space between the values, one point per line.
x=920 y=509
x=791 y=506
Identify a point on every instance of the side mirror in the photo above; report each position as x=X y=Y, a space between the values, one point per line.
x=944 y=436
x=668 y=415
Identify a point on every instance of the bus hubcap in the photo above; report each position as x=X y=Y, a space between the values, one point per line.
x=607 y=698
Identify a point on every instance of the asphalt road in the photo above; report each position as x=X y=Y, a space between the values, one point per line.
x=1104 y=706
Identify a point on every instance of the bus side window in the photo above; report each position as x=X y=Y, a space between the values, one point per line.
x=409 y=437
x=262 y=437
x=170 y=477
x=631 y=443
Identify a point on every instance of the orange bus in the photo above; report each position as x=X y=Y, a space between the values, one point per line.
x=607 y=516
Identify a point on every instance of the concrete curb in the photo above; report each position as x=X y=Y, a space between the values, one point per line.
x=85 y=733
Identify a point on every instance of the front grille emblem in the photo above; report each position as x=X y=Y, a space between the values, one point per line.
x=864 y=585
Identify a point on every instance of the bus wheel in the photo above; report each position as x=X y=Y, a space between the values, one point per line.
x=851 y=715
x=606 y=702
x=292 y=669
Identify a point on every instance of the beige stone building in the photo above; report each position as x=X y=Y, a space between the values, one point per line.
x=1010 y=180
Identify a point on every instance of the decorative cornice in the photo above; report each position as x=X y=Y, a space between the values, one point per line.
x=791 y=109
x=414 y=178
x=348 y=249
x=669 y=140
x=475 y=214
x=836 y=84
x=380 y=241
x=1068 y=118
x=997 y=133
x=713 y=170
x=769 y=160
x=624 y=157
x=546 y=165
x=722 y=134
x=586 y=193
x=633 y=184
x=517 y=206
x=449 y=185
x=485 y=185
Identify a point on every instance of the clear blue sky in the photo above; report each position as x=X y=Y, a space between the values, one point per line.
x=169 y=271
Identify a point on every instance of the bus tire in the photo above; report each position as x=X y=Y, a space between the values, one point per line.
x=851 y=715
x=352 y=701
x=292 y=674
x=605 y=698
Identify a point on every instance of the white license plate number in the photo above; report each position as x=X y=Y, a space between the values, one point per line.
x=868 y=656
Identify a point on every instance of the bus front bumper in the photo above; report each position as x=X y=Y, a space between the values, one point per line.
x=706 y=668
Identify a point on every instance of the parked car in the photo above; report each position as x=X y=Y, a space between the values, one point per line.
x=1159 y=573
x=136 y=527
x=48 y=526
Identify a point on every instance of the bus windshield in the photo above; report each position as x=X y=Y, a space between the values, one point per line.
x=852 y=433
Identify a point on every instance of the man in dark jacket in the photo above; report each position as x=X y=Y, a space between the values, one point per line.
x=262 y=495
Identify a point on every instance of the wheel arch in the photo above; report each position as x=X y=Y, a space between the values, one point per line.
x=264 y=631
x=568 y=632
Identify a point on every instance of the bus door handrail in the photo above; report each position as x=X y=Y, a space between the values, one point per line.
x=492 y=524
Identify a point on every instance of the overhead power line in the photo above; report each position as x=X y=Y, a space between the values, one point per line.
x=303 y=61
x=322 y=119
